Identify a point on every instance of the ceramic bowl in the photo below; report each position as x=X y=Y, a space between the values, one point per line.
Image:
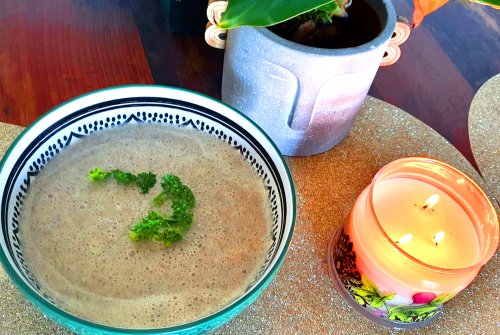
x=61 y=127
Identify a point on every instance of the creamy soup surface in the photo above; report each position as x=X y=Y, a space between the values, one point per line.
x=74 y=233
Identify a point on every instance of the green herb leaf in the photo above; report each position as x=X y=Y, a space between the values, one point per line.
x=156 y=226
x=145 y=180
x=123 y=177
x=174 y=190
x=159 y=227
x=97 y=175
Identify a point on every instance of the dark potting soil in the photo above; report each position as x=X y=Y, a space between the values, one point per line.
x=360 y=26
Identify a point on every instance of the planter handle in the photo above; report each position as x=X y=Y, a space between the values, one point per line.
x=214 y=35
x=400 y=35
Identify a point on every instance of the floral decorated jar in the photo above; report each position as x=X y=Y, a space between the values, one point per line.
x=416 y=237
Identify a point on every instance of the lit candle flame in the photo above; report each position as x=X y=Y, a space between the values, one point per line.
x=431 y=201
x=438 y=237
x=405 y=239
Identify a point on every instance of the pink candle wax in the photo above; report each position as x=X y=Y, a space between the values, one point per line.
x=416 y=236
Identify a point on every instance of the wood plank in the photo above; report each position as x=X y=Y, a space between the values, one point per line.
x=51 y=51
x=427 y=83
x=173 y=36
x=469 y=34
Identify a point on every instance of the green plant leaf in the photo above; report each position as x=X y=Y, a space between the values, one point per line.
x=493 y=3
x=264 y=13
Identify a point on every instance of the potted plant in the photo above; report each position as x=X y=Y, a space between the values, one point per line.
x=305 y=97
x=304 y=77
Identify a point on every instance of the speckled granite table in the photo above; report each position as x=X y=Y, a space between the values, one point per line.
x=302 y=300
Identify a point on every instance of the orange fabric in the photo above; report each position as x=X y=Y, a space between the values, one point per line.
x=423 y=8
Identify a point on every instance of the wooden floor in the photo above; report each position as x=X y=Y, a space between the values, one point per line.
x=53 y=50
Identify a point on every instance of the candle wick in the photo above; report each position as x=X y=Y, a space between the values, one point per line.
x=405 y=239
x=431 y=202
x=438 y=237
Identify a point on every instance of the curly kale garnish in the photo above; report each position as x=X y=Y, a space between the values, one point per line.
x=98 y=175
x=122 y=177
x=175 y=190
x=159 y=227
x=155 y=225
x=145 y=180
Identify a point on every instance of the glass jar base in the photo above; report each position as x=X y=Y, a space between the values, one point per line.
x=348 y=298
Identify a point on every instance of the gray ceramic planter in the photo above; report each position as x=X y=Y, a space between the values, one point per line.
x=305 y=98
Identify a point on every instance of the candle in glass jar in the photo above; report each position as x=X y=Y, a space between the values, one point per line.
x=416 y=236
